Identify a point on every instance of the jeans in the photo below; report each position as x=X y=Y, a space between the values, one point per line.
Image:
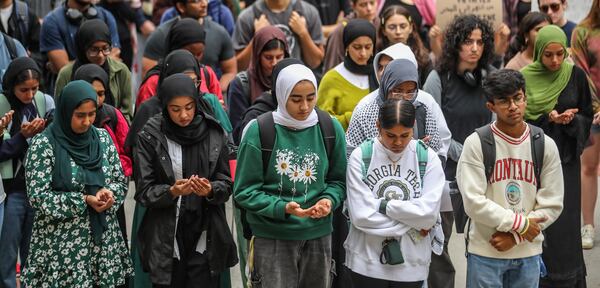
x=502 y=273
x=1 y=215
x=15 y=236
x=292 y=263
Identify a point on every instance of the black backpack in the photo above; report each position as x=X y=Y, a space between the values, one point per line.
x=266 y=128
x=488 y=150
x=10 y=46
x=158 y=67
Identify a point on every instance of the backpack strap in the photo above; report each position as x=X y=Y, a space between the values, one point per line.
x=243 y=77
x=488 y=149
x=422 y=157
x=6 y=167
x=256 y=11
x=421 y=120
x=10 y=46
x=266 y=129
x=23 y=18
x=4 y=105
x=206 y=75
x=536 y=135
x=444 y=78
x=367 y=153
x=40 y=103
x=298 y=7
x=327 y=130
x=112 y=115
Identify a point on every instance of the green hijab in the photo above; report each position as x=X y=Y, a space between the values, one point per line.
x=542 y=85
x=84 y=149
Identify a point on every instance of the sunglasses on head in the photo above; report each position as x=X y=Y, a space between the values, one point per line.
x=554 y=6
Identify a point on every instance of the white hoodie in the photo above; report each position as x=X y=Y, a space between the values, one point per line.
x=409 y=208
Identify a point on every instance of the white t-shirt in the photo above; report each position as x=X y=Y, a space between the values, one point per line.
x=5 y=15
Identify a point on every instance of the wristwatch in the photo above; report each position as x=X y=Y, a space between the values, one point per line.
x=383 y=206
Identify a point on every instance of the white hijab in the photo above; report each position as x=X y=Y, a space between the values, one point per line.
x=396 y=51
x=286 y=80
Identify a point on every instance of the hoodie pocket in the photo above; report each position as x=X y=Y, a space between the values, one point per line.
x=418 y=253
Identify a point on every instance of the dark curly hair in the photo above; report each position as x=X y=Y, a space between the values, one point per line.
x=455 y=36
x=529 y=22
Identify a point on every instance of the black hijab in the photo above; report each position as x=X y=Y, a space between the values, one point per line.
x=89 y=32
x=354 y=29
x=89 y=73
x=195 y=151
x=9 y=81
x=173 y=86
x=184 y=32
x=178 y=61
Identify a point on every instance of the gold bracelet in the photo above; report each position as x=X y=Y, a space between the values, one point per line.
x=526 y=228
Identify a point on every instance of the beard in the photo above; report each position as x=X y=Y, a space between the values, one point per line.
x=84 y=2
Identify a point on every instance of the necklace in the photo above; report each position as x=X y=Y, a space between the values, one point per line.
x=393 y=162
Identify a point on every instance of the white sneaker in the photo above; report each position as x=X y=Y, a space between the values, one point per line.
x=587 y=236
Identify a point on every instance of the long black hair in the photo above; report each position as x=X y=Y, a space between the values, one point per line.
x=396 y=112
x=528 y=23
x=458 y=32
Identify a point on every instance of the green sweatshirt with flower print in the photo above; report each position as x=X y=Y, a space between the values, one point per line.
x=300 y=171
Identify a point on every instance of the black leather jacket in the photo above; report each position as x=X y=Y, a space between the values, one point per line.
x=154 y=176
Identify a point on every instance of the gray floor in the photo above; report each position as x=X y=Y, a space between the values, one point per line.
x=457 y=248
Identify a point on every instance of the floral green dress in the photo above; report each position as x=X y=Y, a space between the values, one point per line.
x=62 y=253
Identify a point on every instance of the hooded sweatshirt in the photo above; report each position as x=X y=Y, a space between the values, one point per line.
x=363 y=122
x=299 y=169
x=393 y=177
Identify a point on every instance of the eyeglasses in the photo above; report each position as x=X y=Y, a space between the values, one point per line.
x=404 y=95
x=95 y=51
x=554 y=6
x=507 y=102
x=197 y=82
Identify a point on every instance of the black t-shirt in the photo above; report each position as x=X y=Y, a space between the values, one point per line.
x=568 y=29
x=464 y=110
x=330 y=9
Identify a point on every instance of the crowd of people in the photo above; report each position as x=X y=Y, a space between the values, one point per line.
x=351 y=136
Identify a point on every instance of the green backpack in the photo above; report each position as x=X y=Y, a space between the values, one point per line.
x=6 y=167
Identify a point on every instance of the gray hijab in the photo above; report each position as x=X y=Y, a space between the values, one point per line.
x=395 y=73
